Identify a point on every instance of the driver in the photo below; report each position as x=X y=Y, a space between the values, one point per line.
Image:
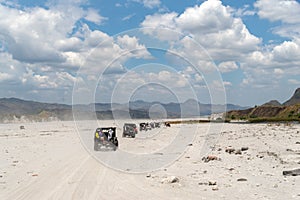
x=110 y=134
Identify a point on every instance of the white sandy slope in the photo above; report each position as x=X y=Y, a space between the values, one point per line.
x=48 y=161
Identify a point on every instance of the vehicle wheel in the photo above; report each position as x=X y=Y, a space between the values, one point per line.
x=96 y=147
x=133 y=136
x=116 y=143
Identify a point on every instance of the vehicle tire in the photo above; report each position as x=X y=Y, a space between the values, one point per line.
x=96 y=146
x=116 y=142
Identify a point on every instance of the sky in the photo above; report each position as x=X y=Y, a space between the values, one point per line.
x=81 y=51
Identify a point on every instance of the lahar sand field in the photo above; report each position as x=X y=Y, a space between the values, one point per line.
x=230 y=161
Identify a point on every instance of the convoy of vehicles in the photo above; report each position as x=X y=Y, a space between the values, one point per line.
x=105 y=138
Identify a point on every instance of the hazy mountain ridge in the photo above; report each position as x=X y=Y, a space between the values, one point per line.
x=13 y=109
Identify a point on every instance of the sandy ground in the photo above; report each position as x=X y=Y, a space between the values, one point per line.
x=49 y=161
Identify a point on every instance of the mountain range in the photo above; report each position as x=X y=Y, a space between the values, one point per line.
x=270 y=111
x=14 y=109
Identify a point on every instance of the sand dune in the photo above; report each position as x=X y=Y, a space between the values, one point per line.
x=48 y=161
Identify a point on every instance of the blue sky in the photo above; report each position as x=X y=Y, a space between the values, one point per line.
x=240 y=52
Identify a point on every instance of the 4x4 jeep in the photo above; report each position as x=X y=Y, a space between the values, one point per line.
x=130 y=130
x=105 y=139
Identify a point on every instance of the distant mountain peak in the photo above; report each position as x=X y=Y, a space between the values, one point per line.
x=295 y=99
x=272 y=103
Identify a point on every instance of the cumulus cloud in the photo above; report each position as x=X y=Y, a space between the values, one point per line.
x=226 y=39
x=132 y=44
x=29 y=35
x=11 y=69
x=150 y=85
x=282 y=56
x=227 y=66
x=111 y=53
x=43 y=35
x=42 y=46
x=270 y=68
x=210 y=24
x=209 y=17
x=285 y=11
x=159 y=26
x=287 y=51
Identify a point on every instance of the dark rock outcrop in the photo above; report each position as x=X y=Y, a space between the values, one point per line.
x=295 y=99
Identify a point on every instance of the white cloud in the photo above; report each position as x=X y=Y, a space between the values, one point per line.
x=159 y=26
x=228 y=66
x=149 y=3
x=39 y=81
x=285 y=55
x=30 y=34
x=198 y=78
x=278 y=71
x=44 y=46
x=128 y=17
x=42 y=35
x=11 y=69
x=294 y=81
x=287 y=11
x=212 y=25
x=209 y=17
x=121 y=87
x=286 y=52
x=227 y=83
x=261 y=77
x=244 y=11
x=68 y=44
x=4 y=76
x=92 y=15
x=132 y=44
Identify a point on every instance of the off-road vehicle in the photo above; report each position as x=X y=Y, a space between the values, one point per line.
x=145 y=126
x=130 y=130
x=105 y=139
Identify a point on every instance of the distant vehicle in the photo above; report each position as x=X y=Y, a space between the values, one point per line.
x=145 y=126
x=167 y=124
x=142 y=126
x=152 y=125
x=157 y=125
x=105 y=139
x=148 y=127
x=130 y=130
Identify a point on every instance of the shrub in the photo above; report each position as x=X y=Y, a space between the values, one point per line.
x=253 y=116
